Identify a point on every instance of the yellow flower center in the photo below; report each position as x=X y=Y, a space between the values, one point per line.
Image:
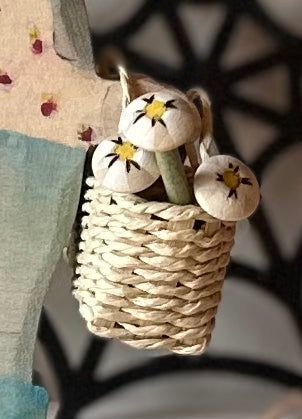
x=155 y=110
x=125 y=151
x=34 y=33
x=231 y=179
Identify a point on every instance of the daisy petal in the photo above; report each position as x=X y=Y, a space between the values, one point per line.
x=114 y=159
x=138 y=117
x=100 y=158
x=116 y=178
x=162 y=122
x=128 y=166
x=246 y=181
x=135 y=164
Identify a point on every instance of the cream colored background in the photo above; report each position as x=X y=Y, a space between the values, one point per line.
x=78 y=94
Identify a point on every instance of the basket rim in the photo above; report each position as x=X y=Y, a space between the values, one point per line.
x=196 y=211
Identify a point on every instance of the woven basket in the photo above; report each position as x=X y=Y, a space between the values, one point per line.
x=150 y=273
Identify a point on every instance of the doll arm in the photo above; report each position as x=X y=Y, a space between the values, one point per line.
x=39 y=189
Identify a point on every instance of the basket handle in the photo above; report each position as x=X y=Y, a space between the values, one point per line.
x=202 y=101
x=72 y=39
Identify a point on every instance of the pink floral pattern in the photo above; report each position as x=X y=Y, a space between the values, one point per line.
x=35 y=41
x=49 y=105
x=5 y=79
x=37 y=47
x=85 y=134
x=25 y=75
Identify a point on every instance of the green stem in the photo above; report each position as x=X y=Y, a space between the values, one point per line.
x=174 y=177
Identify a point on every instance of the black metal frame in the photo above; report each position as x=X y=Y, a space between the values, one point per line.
x=78 y=387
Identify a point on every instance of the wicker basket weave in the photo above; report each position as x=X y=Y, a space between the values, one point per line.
x=150 y=273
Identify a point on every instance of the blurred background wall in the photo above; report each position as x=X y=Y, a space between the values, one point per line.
x=247 y=54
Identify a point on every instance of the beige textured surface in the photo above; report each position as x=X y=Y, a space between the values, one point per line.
x=78 y=94
x=145 y=275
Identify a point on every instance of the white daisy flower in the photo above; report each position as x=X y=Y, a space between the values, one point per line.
x=160 y=121
x=226 y=188
x=123 y=167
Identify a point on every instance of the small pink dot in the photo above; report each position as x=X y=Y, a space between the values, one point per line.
x=5 y=79
x=47 y=108
x=86 y=135
x=37 y=47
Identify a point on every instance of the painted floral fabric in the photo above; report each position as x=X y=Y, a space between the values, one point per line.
x=40 y=94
